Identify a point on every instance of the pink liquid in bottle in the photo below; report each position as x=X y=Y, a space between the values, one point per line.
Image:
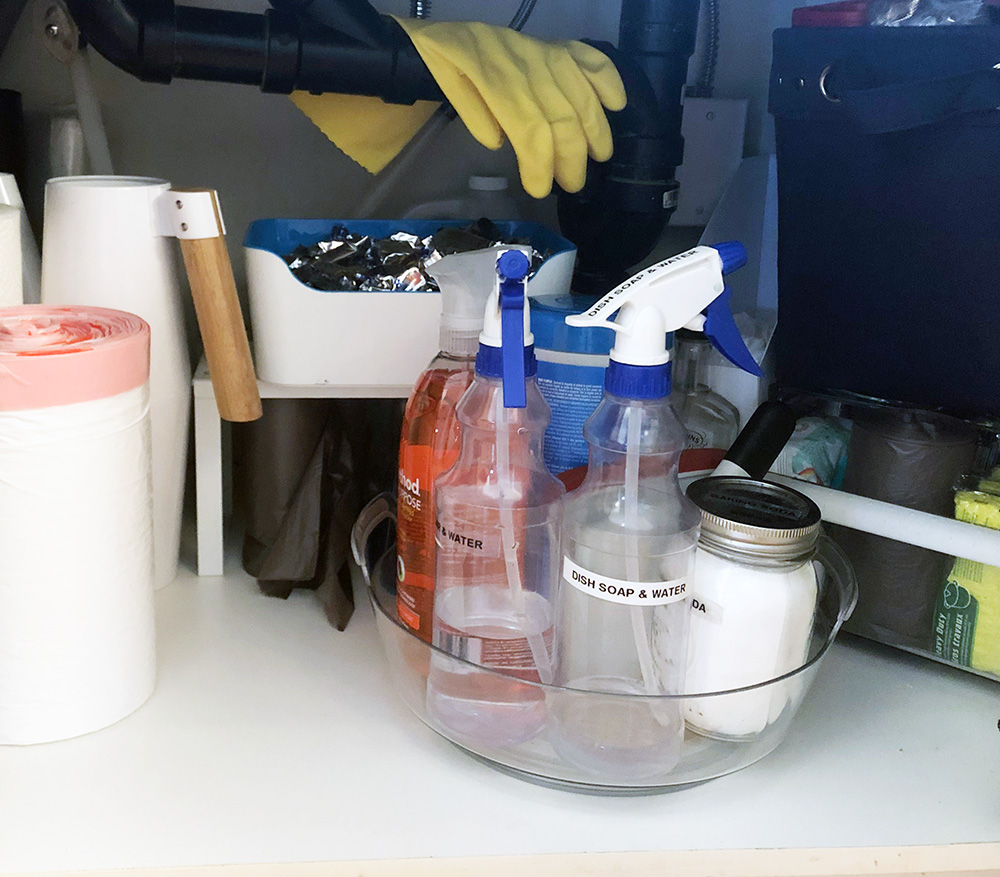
x=428 y=446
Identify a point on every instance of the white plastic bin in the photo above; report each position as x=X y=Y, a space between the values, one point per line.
x=303 y=336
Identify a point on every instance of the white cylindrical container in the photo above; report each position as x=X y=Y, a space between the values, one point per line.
x=11 y=279
x=754 y=593
x=77 y=638
x=31 y=266
x=101 y=246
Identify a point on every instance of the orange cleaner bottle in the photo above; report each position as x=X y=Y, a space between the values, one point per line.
x=430 y=438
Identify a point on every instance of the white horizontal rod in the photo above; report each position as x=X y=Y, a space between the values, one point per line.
x=925 y=530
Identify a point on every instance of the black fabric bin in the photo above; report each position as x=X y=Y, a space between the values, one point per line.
x=888 y=155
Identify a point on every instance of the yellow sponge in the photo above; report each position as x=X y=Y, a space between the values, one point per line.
x=990 y=485
x=967 y=625
x=978 y=507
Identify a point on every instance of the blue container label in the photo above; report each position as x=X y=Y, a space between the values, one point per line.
x=573 y=392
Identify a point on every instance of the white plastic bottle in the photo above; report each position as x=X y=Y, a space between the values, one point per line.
x=497 y=526
x=629 y=534
x=486 y=197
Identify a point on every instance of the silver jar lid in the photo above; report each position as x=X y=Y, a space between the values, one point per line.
x=755 y=519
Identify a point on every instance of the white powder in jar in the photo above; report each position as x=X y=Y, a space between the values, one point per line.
x=749 y=624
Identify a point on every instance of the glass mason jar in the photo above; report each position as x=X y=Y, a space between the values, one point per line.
x=759 y=567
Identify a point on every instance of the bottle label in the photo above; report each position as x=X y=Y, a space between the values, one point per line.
x=573 y=392
x=511 y=655
x=697 y=439
x=466 y=540
x=620 y=591
x=415 y=535
x=709 y=610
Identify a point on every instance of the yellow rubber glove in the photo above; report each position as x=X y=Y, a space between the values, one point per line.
x=548 y=99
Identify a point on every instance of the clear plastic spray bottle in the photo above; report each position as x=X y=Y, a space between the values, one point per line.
x=629 y=534
x=429 y=440
x=497 y=539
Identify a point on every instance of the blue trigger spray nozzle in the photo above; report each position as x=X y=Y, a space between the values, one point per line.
x=720 y=327
x=512 y=267
x=733 y=255
x=506 y=345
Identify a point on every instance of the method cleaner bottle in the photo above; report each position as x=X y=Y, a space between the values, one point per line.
x=629 y=534
x=497 y=540
x=430 y=436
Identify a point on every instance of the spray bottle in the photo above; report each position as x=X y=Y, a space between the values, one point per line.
x=430 y=436
x=497 y=539
x=629 y=534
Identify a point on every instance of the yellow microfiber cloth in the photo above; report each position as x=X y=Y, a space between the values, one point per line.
x=367 y=129
x=547 y=98
x=967 y=617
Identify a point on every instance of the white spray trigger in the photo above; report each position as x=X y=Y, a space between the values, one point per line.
x=684 y=291
x=663 y=298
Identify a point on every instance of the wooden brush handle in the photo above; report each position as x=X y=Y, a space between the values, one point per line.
x=220 y=319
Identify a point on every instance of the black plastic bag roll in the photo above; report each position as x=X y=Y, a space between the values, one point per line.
x=310 y=466
x=910 y=459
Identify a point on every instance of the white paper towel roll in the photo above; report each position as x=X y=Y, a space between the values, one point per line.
x=11 y=283
x=77 y=638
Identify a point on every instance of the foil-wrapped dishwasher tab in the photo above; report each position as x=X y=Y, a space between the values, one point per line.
x=350 y=262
